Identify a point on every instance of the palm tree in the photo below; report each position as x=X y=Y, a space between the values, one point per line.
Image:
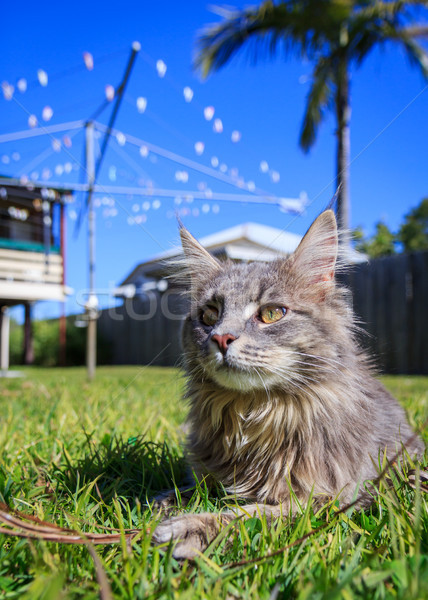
x=333 y=34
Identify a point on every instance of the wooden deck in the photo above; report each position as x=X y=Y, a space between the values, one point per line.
x=30 y=276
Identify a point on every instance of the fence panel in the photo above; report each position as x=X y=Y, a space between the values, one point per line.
x=390 y=297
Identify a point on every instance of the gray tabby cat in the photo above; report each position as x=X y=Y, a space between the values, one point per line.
x=280 y=393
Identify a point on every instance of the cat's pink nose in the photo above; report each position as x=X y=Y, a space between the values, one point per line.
x=223 y=341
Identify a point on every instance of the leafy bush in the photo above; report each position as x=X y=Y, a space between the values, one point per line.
x=46 y=344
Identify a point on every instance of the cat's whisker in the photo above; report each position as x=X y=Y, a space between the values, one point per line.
x=304 y=378
x=325 y=359
x=263 y=382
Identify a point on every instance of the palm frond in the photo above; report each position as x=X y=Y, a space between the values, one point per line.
x=416 y=54
x=416 y=31
x=294 y=25
x=319 y=100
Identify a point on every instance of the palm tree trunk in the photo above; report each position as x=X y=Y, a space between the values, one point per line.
x=343 y=116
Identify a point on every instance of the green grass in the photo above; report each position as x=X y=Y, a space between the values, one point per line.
x=90 y=455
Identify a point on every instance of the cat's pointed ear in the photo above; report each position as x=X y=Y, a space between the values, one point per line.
x=314 y=260
x=198 y=262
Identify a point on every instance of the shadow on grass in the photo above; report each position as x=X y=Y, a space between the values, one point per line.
x=133 y=468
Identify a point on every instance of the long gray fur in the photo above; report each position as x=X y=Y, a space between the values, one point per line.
x=290 y=403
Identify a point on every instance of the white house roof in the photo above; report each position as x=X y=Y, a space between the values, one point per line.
x=248 y=242
x=283 y=242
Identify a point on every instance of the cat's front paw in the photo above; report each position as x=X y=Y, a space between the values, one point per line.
x=192 y=534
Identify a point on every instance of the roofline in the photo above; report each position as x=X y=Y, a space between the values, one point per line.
x=212 y=242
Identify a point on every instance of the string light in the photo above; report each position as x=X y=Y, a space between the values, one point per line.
x=161 y=68
x=182 y=176
x=188 y=94
x=121 y=139
x=218 y=126
x=199 y=148
x=236 y=136
x=47 y=113
x=32 y=121
x=22 y=85
x=88 y=60
x=8 y=90
x=109 y=92
x=42 y=76
x=209 y=112
x=141 y=104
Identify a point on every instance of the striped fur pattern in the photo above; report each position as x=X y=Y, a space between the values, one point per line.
x=292 y=403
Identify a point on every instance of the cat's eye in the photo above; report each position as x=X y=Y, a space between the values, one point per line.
x=271 y=314
x=210 y=316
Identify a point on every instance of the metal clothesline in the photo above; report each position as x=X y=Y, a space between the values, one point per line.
x=256 y=196
x=293 y=204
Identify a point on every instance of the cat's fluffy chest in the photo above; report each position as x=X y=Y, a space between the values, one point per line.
x=254 y=443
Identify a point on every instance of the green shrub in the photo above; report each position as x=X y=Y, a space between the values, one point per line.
x=46 y=344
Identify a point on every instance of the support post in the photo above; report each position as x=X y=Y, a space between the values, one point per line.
x=28 y=336
x=92 y=301
x=4 y=338
x=62 y=319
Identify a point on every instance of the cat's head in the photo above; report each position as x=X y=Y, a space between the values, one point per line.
x=255 y=326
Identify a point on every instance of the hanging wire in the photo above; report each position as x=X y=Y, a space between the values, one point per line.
x=77 y=68
x=44 y=130
x=43 y=155
x=187 y=162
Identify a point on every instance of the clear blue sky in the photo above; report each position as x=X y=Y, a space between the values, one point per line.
x=264 y=103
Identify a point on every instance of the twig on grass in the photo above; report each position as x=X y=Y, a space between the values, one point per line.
x=28 y=526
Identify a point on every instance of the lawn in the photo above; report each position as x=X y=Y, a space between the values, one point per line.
x=89 y=456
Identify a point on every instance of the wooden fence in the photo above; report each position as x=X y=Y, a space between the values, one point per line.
x=390 y=298
x=144 y=330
